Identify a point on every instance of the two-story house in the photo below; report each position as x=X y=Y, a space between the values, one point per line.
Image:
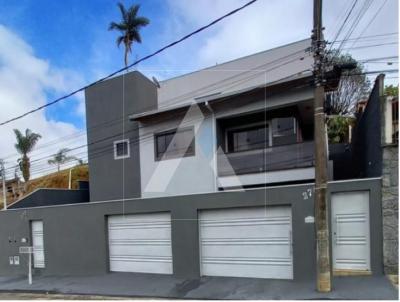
x=245 y=123
x=209 y=173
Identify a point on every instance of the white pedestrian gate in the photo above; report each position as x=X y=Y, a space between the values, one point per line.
x=247 y=242
x=37 y=242
x=140 y=243
x=350 y=229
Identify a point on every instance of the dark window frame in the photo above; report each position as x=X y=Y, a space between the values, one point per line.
x=230 y=135
x=270 y=142
x=190 y=151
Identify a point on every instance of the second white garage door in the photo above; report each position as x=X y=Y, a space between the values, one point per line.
x=247 y=242
x=140 y=243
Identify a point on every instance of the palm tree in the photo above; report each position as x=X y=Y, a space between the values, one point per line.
x=25 y=144
x=129 y=28
x=61 y=158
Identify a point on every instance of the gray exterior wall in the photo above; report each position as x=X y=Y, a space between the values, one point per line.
x=75 y=236
x=45 y=197
x=367 y=152
x=390 y=208
x=108 y=106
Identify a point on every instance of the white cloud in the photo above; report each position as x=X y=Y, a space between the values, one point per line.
x=24 y=81
x=263 y=25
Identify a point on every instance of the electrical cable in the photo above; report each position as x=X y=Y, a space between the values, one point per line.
x=130 y=65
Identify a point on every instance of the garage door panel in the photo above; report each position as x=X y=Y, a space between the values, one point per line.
x=140 y=243
x=252 y=269
x=248 y=242
x=248 y=213
x=248 y=250
x=151 y=250
x=130 y=234
x=142 y=265
x=244 y=231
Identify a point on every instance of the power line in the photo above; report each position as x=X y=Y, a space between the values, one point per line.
x=367 y=37
x=107 y=149
x=131 y=65
x=234 y=84
x=383 y=62
x=369 y=46
x=377 y=59
x=370 y=22
x=372 y=72
x=297 y=55
x=357 y=20
x=344 y=23
x=349 y=12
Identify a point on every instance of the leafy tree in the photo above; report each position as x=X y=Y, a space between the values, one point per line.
x=338 y=128
x=61 y=158
x=353 y=86
x=25 y=144
x=129 y=27
x=392 y=90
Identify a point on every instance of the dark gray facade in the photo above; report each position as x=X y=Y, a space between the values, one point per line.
x=108 y=106
x=46 y=197
x=75 y=236
x=367 y=151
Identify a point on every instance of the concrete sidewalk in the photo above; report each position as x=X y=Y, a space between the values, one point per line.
x=147 y=285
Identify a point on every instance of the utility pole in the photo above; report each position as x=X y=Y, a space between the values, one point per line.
x=321 y=161
x=3 y=176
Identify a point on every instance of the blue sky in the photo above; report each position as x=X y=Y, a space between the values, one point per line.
x=65 y=33
x=50 y=47
x=73 y=35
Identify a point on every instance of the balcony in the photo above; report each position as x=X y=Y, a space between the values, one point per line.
x=277 y=158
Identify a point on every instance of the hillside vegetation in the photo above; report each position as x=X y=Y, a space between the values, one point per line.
x=59 y=180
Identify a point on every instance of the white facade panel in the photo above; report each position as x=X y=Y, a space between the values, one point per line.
x=350 y=227
x=247 y=242
x=38 y=243
x=140 y=243
x=178 y=176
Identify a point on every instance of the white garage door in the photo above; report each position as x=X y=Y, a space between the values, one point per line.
x=37 y=242
x=140 y=243
x=247 y=242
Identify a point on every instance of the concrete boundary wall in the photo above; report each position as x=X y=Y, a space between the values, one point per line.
x=75 y=236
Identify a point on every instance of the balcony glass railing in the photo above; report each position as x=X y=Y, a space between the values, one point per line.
x=299 y=155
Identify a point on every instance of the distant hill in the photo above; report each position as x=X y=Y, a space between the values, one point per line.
x=54 y=180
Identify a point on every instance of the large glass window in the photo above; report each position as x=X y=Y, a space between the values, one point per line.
x=284 y=131
x=274 y=132
x=249 y=138
x=174 y=143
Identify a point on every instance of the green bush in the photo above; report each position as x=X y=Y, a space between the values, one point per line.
x=338 y=129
